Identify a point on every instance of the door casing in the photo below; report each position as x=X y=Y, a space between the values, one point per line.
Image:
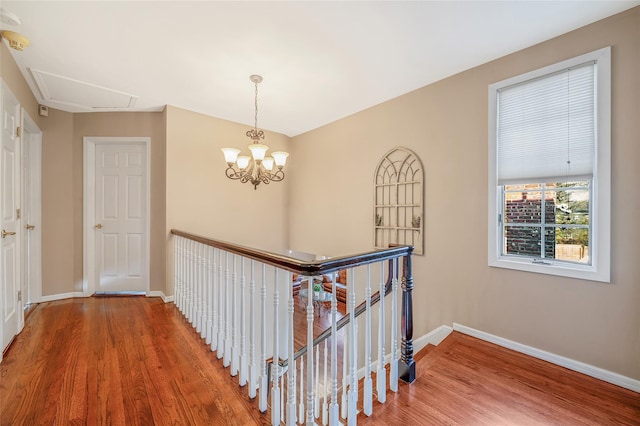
x=90 y=272
x=15 y=281
x=31 y=210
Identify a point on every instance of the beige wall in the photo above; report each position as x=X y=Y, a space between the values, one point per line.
x=62 y=176
x=446 y=125
x=58 y=216
x=119 y=124
x=201 y=200
x=13 y=78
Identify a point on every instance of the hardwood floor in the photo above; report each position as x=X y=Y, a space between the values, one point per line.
x=118 y=361
x=136 y=361
x=466 y=381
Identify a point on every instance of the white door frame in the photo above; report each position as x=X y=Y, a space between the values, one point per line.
x=90 y=274
x=32 y=173
x=6 y=92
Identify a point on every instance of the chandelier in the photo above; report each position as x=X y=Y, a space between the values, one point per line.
x=258 y=168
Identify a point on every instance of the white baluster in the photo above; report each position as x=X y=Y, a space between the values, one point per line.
x=368 y=382
x=381 y=374
x=235 y=356
x=183 y=277
x=203 y=291
x=310 y=384
x=393 y=374
x=226 y=359
x=188 y=295
x=244 y=365
x=316 y=405
x=214 y=300
x=345 y=371
x=291 y=372
x=325 y=386
x=199 y=287
x=253 y=368
x=282 y=394
x=194 y=284
x=263 y=388
x=333 y=408
x=352 y=394
x=301 y=403
x=193 y=280
x=208 y=315
x=221 y=307
x=177 y=291
x=356 y=352
x=275 y=389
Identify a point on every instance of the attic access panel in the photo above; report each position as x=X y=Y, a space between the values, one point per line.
x=79 y=94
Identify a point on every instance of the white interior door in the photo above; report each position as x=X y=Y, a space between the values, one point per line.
x=120 y=213
x=31 y=211
x=12 y=316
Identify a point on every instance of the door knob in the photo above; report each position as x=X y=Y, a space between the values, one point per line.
x=98 y=226
x=5 y=233
x=30 y=227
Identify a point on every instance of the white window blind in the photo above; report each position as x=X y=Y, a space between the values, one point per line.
x=546 y=127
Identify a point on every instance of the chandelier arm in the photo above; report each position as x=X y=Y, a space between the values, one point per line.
x=277 y=176
x=232 y=173
x=247 y=174
x=266 y=179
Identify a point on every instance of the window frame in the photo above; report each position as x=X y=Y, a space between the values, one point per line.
x=599 y=250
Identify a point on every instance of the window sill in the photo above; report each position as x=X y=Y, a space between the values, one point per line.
x=584 y=272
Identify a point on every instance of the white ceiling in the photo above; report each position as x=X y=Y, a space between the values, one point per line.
x=320 y=60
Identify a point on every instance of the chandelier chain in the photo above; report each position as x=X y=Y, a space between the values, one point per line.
x=256 y=104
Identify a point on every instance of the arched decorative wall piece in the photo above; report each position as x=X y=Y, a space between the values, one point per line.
x=398 y=213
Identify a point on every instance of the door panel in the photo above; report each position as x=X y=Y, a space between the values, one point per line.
x=134 y=197
x=121 y=211
x=134 y=255
x=9 y=203
x=31 y=211
x=10 y=285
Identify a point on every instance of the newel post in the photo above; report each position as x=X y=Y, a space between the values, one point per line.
x=407 y=366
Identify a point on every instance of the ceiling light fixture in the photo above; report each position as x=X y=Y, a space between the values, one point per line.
x=258 y=168
x=9 y=17
x=15 y=40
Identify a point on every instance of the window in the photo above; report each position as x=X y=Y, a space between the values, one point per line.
x=549 y=163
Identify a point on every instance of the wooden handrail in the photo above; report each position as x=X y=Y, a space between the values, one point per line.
x=306 y=268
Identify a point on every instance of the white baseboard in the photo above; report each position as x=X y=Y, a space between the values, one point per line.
x=165 y=299
x=434 y=337
x=580 y=367
x=61 y=296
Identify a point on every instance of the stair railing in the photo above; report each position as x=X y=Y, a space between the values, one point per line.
x=245 y=331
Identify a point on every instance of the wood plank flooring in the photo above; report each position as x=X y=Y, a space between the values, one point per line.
x=467 y=381
x=117 y=361
x=136 y=361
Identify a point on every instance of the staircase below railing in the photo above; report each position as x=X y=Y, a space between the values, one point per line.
x=247 y=333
